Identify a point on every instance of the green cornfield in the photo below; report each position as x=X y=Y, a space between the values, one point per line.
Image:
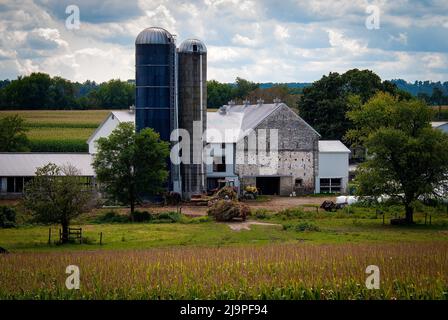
x=280 y=271
x=59 y=130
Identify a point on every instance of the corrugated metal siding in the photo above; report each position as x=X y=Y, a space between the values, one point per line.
x=25 y=164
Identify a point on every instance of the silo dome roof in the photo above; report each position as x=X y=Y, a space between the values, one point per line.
x=193 y=45
x=154 y=35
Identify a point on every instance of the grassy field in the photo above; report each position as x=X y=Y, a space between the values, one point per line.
x=59 y=130
x=193 y=232
x=301 y=255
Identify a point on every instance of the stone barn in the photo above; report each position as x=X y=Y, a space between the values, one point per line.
x=291 y=171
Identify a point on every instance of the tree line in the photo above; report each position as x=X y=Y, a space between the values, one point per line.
x=40 y=91
x=422 y=88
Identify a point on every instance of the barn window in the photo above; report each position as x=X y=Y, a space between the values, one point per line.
x=298 y=183
x=330 y=185
x=14 y=184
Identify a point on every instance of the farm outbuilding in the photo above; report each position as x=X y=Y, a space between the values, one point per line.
x=16 y=169
x=441 y=125
x=333 y=167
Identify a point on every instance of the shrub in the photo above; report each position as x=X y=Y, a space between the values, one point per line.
x=263 y=214
x=88 y=240
x=294 y=213
x=112 y=217
x=168 y=217
x=301 y=227
x=173 y=198
x=227 y=210
x=201 y=219
x=305 y=226
x=7 y=217
x=141 y=216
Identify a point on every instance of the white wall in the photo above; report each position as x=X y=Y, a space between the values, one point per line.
x=333 y=165
x=104 y=131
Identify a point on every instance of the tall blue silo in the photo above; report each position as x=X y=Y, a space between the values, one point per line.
x=155 y=80
x=155 y=51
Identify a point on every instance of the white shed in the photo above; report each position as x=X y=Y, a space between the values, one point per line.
x=333 y=167
x=441 y=125
x=108 y=125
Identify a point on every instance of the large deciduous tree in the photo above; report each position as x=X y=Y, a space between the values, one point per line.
x=13 y=134
x=130 y=164
x=57 y=195
x=406 y=158
x=325 y=103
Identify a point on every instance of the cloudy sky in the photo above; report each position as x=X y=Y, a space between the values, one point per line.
x=260 y=40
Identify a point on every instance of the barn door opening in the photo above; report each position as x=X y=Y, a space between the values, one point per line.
x=268 y=185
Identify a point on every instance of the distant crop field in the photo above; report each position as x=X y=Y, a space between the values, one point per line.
x=285 y=271
x=60 y=118
x=59 y=130
x=441 y=107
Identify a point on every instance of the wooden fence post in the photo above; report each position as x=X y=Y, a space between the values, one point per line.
x=49 y=236
x=383 y=217
x=101 y=238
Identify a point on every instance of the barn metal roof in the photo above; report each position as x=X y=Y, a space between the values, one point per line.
x=124 y=116
x=234 y=121
x=189 y=46
x=154 y=35
x=333 y=146
x=241 y=119
x=436 y=124
x=227 y=126
x=24 y=164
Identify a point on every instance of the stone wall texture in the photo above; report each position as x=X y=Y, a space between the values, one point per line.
x=297 y=157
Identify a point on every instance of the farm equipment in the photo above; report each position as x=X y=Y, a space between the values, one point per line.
x=330 y=206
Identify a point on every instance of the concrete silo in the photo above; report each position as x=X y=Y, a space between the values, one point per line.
x=192 y=98
x=156 y=87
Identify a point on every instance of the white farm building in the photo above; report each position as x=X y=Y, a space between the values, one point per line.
x=440 y=125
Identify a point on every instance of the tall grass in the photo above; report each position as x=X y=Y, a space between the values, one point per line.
x=408 y=271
